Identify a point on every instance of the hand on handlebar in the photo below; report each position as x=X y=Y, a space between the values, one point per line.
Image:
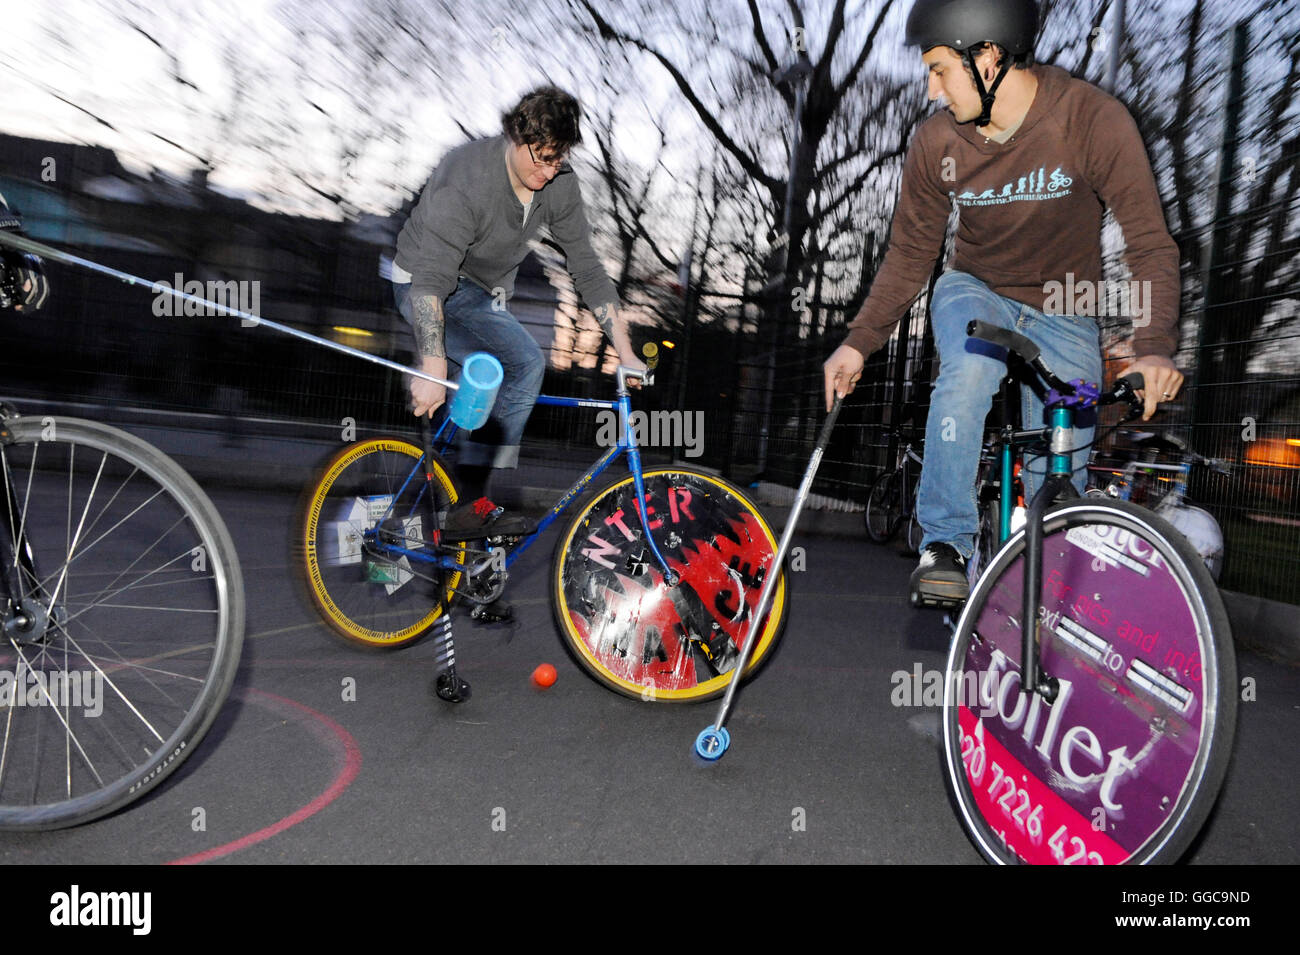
x=1162 y=381
x=629 y=360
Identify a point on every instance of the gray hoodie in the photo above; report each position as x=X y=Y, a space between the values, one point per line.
x=469 y=222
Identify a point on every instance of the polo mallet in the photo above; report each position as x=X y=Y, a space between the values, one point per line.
x=714 y=740
x=469 y=407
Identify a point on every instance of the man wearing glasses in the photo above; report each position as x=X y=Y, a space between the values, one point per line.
x=454 y=273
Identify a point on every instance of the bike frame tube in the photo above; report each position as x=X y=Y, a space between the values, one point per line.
x=626 y=443
x=1006 y=447
x=1062 y=424
x=562 y=505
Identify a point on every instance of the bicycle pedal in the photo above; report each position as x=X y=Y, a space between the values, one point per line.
x=930 y=602
x=497 y=611
x=451 y=688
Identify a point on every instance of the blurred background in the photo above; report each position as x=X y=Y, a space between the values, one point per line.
x=740 y=165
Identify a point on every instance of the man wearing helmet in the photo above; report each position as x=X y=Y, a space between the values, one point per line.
x=1030 y=156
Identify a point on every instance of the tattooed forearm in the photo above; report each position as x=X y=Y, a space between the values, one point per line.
x=605 y=315
x=427 y=318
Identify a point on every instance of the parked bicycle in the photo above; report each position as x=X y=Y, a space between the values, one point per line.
x=652 y=579
x=1089 y=699
x=891 y=502
x=1162 y=487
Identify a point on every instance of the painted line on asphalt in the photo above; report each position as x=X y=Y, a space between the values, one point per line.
x=326 y=730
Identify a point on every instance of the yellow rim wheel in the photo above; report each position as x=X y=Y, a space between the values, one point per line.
x=369 y=506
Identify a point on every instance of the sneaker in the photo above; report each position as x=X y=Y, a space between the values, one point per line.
x=482 y=518
x=940 y=578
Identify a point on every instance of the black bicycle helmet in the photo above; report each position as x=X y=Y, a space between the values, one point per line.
x=966 y=24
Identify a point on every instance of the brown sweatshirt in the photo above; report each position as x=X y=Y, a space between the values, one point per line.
x=1030 y=215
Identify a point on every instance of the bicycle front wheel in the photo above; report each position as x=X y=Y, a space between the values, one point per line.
x=884 y=512
x=122 y=640
x=636 y=635
x=367 y=541
x=1125 y=764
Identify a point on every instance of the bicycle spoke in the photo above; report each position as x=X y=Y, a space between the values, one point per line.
x=54 y=708
x=156 y=570
x=93 y=544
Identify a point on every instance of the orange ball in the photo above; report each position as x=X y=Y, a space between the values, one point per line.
x=545 y=675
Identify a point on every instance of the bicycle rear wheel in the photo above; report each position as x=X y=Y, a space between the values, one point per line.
x=884 y=512
x=1125 y=765
x=132 y=625
x=372 y=498
x=630 y=631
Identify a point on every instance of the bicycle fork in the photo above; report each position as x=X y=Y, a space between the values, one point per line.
x=26 y=616
x=1032 y=679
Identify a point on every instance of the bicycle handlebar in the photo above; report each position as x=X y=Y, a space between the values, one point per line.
x=650 y=352
x=1123 y=391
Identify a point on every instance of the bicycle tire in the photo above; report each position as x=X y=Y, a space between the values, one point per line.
x=1136 y=773
x=884 y=513
x=364 y=595
x=682 y=641
x=156 y=645
x=913 y=532
x=986 y=540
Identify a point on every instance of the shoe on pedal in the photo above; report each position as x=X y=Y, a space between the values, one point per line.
x=483 y=518
x=940 y=578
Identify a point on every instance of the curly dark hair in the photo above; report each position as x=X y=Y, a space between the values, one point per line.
x=547 y=116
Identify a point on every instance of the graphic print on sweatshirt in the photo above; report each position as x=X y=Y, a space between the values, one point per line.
x=1036 y=184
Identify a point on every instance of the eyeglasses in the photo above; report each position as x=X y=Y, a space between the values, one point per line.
x=553 y=163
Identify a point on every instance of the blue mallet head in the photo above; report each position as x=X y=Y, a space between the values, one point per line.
x=480 y=379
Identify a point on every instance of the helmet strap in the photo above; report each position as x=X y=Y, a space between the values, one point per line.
x=986 y=96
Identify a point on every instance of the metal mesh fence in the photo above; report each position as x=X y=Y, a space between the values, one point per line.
x=1240 y=240
x=752 y=391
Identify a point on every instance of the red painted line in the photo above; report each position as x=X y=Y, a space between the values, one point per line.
x=333 y=734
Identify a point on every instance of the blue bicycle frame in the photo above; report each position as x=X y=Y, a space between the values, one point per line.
x=626 y=443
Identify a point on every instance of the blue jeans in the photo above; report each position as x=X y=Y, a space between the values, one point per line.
x=969 y=374
x=474 y=324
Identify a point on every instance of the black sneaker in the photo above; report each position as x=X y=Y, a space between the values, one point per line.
x=482 y=518
x=940 y=578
